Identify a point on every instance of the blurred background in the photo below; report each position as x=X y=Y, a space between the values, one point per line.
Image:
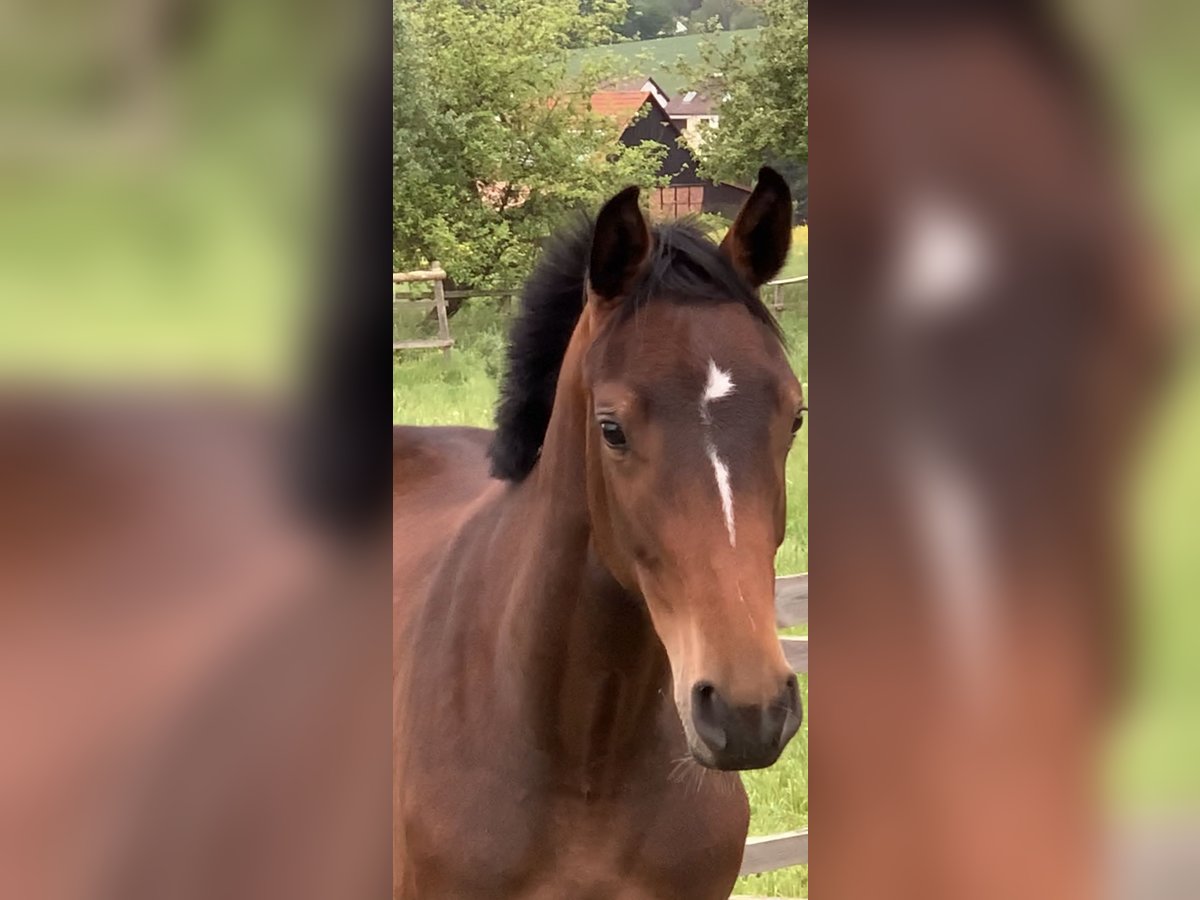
x=1151 y=68
x=166 y=171
x=194 y=585
x=1004 y=216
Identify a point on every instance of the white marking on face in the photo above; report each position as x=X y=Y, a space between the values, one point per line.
x=944 y=258
x=950 y=517
x=721 y=471
x=749 y=614
x=719 y=384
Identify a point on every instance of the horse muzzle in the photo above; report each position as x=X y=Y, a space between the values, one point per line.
x=729 y=736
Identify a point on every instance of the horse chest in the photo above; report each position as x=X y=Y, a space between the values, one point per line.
x=677 y=840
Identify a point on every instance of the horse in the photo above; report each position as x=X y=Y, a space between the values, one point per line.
x=584 y=641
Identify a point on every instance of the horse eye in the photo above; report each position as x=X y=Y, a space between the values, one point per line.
x=798 y=421
x=613 y=435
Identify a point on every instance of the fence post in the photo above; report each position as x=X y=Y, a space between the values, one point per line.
x=439 y=300
x=779 y=298
x=438 y=304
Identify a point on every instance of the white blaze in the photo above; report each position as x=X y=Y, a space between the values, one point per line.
x=944 y=258
x=719 y=384
x=951 y=526
x=721 y=471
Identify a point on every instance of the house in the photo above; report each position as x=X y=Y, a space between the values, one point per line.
x=639 y=83
x=643 y=117
x=688 y=110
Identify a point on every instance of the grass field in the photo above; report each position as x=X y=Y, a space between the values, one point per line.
x=462 y=390
x=658 y=58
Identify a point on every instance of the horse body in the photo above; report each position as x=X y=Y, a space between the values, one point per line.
x=578 y=660
x=559 y=769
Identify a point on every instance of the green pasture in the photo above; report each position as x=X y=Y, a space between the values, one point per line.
x=428 y=389
x=660 y=57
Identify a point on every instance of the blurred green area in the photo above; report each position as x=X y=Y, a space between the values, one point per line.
x=170 y=274
x=161 y=169
x=1150 y=54
x=660 y=57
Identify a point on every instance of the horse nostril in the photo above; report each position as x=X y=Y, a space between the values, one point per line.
x=791 y=712
x=791 y=690
x=708 y=714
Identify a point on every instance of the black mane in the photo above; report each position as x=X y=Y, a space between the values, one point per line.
x=685 y=265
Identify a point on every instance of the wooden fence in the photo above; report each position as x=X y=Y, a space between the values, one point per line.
x=777 y=287
x=767 y=853
x=504 y=298
x=437 y=275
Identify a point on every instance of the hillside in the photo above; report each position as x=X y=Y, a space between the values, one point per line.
x=656 y=58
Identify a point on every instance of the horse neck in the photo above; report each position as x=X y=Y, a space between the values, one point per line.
x=589 y=668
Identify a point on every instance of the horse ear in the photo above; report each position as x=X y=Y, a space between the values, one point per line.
x=757 y=244
x=620 y=246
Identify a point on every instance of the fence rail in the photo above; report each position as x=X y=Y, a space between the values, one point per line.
x=433 y=273
x=775 y=851
x=507 y=294
x=791 y=600
x=777 y=287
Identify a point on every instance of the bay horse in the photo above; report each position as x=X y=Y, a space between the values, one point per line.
x=584 y=599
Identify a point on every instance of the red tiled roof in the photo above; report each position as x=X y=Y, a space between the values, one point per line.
x=621 y=105
x=625 y=84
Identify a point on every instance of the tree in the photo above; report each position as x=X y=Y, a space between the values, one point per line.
x=647 y=19
x=745 y=17
x=728 y=14
x=657 y=18
x=599 y=22
x=763 y=103
x=494 y=144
